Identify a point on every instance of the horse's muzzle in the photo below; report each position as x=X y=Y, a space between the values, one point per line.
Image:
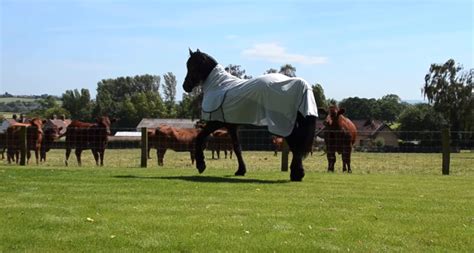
x=187 y=87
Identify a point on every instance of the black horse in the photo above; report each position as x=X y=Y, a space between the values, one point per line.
x=301 y=131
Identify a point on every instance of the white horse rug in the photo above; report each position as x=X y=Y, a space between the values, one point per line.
x=271 y=100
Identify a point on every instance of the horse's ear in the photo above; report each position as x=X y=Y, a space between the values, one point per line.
x=197 y=50
x=190 y=52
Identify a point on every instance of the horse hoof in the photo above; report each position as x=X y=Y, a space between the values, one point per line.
x=297 y=177
x=240 y=173
x=201 y=167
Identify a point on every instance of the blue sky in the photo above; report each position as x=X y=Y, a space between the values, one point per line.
x=366 y=48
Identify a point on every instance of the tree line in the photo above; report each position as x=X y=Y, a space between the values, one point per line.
x=447 y=87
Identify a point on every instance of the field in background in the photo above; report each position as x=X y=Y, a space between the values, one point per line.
x=392 y=202
x=13 y=99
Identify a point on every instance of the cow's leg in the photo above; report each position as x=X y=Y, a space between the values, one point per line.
x=212 y=152
x=101 y=156
x=17 y=156
x=225 y=153
x=210 y=127
x=242 y=169
x=192 y=156
x=78 y=156
x=28 y=156
x=160 y=153
x=68 y=153
x=9 y=156
x=37 y=155
x=346 y=162
x=331 y=160
x=95 y=153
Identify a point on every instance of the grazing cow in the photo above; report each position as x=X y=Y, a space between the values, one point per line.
x=51 y=134
x=93 y=136
x=34 y=137
x=339 y=136
x=277 y=144
x=177 y=139
x=220 y=140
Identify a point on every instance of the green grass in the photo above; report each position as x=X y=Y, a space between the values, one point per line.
x=14 y=99
x=392 y=202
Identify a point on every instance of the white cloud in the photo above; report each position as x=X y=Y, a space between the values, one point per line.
x=273 y=52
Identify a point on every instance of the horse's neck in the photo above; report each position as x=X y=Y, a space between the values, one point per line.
x=208 y=68
x=218 y=78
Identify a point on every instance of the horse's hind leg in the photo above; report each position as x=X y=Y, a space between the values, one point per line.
x=237 y=150
x=300 y=142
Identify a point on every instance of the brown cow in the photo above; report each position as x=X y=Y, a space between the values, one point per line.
x=93 y=136
x=51 y=134
x=339 y=136
x=220 y=140
x=34 y=137
x=177 y=139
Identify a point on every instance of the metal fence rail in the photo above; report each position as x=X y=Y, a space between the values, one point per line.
x=137 y=147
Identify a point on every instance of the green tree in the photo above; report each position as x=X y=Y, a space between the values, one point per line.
x=169 y=92
x=130 y=99
x=271 y=71
x=288 y=70
x=449 y=90
x=420 y=122
x=190 y=106
x=319 y=96
x=360 y=108
x=236 y=71
x=78 y=104
x=389 y=108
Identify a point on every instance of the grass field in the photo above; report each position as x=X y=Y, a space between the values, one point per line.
x=392 y=202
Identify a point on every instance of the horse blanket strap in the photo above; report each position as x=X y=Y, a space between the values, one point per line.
x=271 y=100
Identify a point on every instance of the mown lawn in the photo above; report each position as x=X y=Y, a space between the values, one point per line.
x=395 y=202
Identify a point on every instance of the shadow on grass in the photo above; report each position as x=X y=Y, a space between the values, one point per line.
x=209 y=179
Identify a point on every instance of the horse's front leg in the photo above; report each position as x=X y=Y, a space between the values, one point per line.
x=237 y=150
x=201 y=141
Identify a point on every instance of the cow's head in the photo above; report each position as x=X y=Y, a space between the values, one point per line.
x=104 y=122
x=332 y=118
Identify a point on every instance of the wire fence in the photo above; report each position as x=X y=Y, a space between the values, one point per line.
x=370 y=151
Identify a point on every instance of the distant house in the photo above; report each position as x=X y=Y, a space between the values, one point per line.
x=154 y=123
x=370 y=133
x=375 y=132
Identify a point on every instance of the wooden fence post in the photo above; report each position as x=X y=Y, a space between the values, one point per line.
x=144 y=147
x=23 y=146
x=446 y=150
x=285 y=150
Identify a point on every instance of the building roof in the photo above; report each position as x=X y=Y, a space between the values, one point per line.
x=154 y=123
x=365 y=128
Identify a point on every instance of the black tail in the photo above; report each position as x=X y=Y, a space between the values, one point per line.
x=301 y=139
x=309 y=129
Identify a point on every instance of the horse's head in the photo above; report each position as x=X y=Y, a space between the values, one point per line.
x=104 y=122
x=199 y=66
